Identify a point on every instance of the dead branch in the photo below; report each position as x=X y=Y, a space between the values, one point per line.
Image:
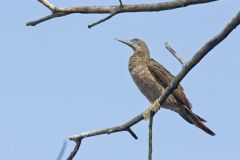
x=150 y=136
x=75 y=150
x=62 y=151
x=112 y=10
x=203 y=51
x=174 y=53
x=121 y=4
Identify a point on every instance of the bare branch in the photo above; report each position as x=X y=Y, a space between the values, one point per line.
x=132 y=133
x=60 y=155
x=53 y=15
x=75 y=150
x=174 y=53
x=124 y=127
x=121 y=4
x=102 y=20
x=204 y=50
x=47 y=4
x=113 y=10
x=150 y=135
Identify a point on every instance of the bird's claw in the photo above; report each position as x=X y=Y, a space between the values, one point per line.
x=153 y=108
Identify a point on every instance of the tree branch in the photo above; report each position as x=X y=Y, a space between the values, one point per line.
x=132 y=133
x=112 y=10
x=121 y=4
x=150 y=135
x=101 y=20
x=75 y=150
x=174 y=53
x=124 y=127
x=47 y=4
x=203 y=51
x=64 y=145
x=43 y=19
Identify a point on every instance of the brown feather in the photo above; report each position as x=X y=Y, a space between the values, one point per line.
x=192 y=118
x=164 y=77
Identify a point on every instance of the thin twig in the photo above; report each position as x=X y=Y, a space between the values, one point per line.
x=152 y=7
x=132 y=133
x=203 y=51
x=174 y=53
x=75 y=150
x=62 y=151
x=47 y=4
x=150 y=135
x=101 y=20
x=53 y=15
x=121 y=4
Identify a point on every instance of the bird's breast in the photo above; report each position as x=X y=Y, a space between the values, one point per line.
x=146 y=83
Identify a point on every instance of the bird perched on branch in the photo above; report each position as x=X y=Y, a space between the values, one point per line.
x=152 y=79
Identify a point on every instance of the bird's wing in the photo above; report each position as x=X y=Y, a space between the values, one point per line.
x=164 y=77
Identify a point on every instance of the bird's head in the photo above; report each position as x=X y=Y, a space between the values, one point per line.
x=137 y=45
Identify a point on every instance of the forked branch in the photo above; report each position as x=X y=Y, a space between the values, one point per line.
x=203 y=51
x=112 y=10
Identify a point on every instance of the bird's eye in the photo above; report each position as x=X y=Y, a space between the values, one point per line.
x=134 y=40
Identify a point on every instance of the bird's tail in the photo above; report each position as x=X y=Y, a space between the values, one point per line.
x=192 y=118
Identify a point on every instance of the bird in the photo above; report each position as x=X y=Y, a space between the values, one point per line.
x=152 y=79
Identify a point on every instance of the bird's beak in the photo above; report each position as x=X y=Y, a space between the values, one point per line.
x=127 y=42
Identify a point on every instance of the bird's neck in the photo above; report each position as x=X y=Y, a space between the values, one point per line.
x=137 y=59
x=142 y=52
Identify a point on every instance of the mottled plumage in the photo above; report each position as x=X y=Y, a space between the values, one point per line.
x=152 y=78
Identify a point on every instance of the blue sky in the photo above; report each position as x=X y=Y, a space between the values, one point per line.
x=60 y=78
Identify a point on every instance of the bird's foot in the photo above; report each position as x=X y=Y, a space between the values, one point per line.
x=153 y=108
